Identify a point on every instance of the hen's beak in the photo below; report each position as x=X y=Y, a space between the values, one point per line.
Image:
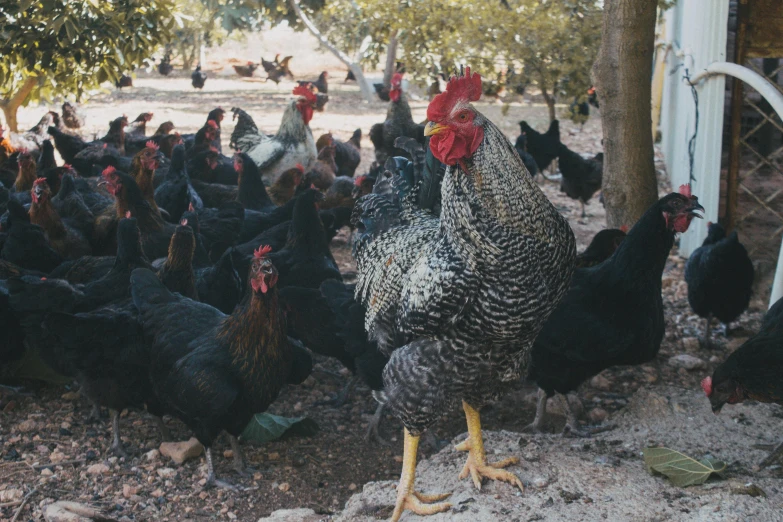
x=694 y=208
x=433 y=128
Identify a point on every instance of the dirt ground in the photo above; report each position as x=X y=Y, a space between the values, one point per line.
x=320 y=472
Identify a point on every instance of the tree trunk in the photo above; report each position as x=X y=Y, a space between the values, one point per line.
x=12 y=104
x=550 y=104
x=623 y=81
x=367 y=94
x=391 y=60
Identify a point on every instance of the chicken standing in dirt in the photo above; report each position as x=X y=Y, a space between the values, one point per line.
x=458 y=301
x=753 y=372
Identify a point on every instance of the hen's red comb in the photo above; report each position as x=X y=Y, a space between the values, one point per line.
x=706 y=385
x=39 y=181
x=212 y=124
x=262 y=251
x=190 y=207
x=312 y=185
x=624 y=228
x=67 y=166
x=153 y=146
x=304 y=92
x=183 y=222
x=460 y=89
x=299 y=167
x=128 y=214
x=685 y=190
x=358 y=181
x=108 y=171
x=396 y=79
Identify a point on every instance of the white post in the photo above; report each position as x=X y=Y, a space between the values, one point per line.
x=703 y=42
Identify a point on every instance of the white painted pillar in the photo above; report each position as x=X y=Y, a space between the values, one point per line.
x=703 y=42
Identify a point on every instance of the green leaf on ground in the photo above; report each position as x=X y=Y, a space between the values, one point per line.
x=265 y=427
x=682 y=470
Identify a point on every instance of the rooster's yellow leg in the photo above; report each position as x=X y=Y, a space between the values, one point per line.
x=476 y=465
x=409 y=499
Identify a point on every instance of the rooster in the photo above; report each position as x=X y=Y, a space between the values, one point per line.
x=293 y=143
x=213 y=371
x=277 y=69
x=457 y=301
x=321 y=83
x=752 y=372
x=399 y=122
x=72 y=117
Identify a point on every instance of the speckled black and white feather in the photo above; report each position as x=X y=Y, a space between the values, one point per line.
x=458 y=301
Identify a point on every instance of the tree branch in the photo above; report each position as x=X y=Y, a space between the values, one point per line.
x=357 y=71
x=10 y=105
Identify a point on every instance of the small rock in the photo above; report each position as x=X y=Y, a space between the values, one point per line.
x=157 y=493
x=64 y=511
x=181 y=452
x=152 y=454
x=686 y=361
x=128 y=491
x=292 y=515
x=57 y=456
x=46 y=472
x=298 y=406
x=600 y=382
x=65 y=432
x=70 y=396
x=690 y=344
x=228 y=454
x=203 y=495
x=26 y=426
x=98 y=469
x=273 y=456
x=352 y=487
x=285 y=486
x=167 y=473
x=540 y=482
x=597 y=415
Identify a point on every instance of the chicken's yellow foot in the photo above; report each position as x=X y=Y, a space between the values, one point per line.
x=409 y=499
x=476 y=465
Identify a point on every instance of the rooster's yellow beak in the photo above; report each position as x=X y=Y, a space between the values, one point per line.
x=433 y=128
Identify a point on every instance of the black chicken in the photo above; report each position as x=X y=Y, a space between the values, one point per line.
x=752 y=372
x=581 y=177
x=613 y=312
x=521 y=147
x=214 y=371
x=602 y=246
x=198 y=78
x=720 y=276
x=543 y=147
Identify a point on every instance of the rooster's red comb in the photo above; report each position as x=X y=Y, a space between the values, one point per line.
x=39 y=181
x=299 y=167
x=213 y=124
x=624 y=228
x=128 y=214
x=304 y=92
x=460 y=89
x=685 y=190
x=152 y=145
x=108 y=171
x=262 y=251
x=396 y=79
x=358 y=181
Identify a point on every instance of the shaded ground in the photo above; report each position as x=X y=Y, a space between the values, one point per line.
x=323 y=471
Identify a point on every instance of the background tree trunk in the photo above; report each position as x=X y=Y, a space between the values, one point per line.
x=391 y=59
x=12 y=104
x=367 y=94
x=550 y=104
x=623 y=80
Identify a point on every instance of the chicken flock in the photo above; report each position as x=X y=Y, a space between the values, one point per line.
x=163 y=275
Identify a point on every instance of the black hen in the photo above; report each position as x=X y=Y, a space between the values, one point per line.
x=543 y=147
x=719 y=275
x=198 y=78
x=613 y=312
x=220 y=285
x=601 y=248
x=26 y=244
x=581 y=177
x=521 y=147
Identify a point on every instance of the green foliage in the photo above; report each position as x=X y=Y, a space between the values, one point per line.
x=554 y=43
x=265 y=427
x=71 y=46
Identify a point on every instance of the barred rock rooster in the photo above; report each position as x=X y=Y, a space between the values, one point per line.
x=293 y=144
x=458 y=301
x=752 y=372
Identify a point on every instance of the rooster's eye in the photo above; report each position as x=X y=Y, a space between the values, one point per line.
x=463 y=116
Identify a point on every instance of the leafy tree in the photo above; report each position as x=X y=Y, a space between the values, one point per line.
x=59 y=47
